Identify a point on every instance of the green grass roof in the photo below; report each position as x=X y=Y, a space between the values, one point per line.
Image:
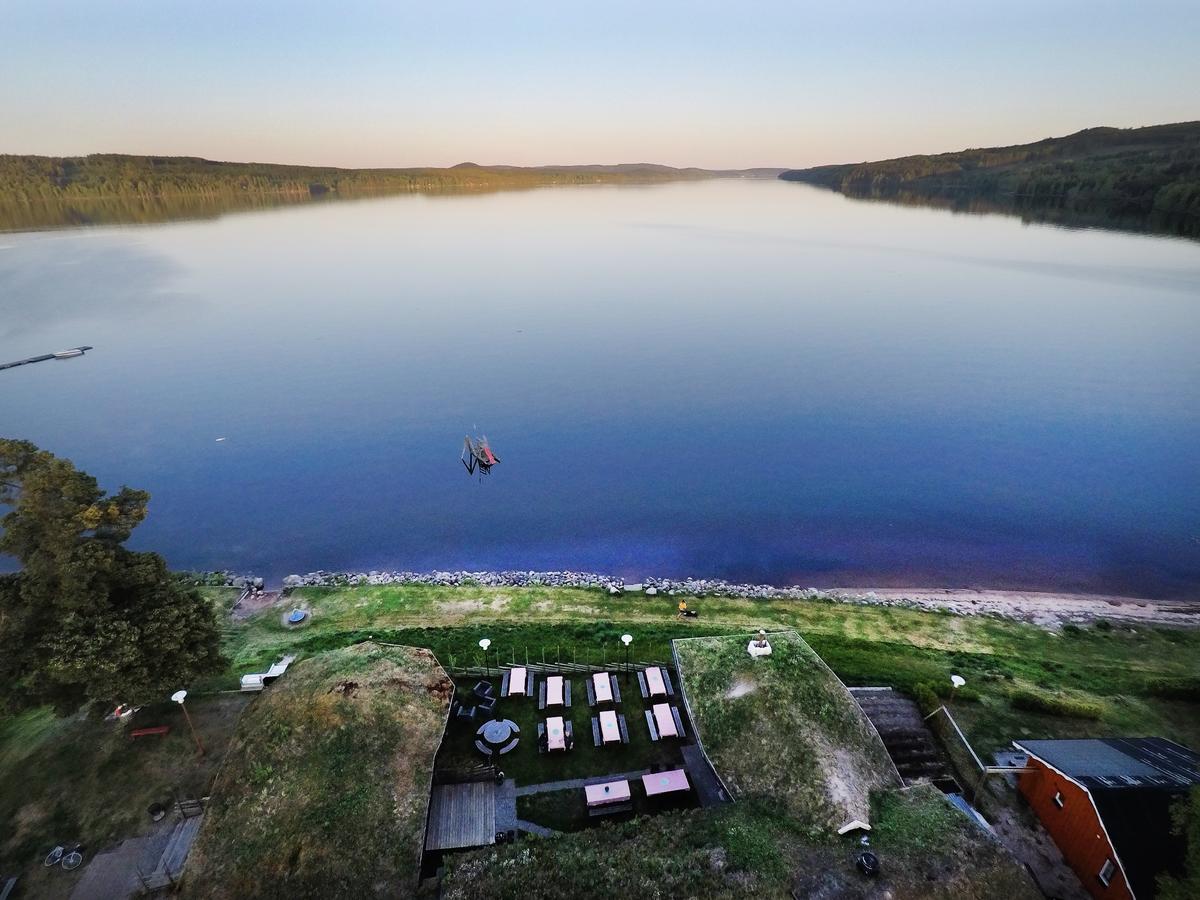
x=326 y=785
x=782 y=728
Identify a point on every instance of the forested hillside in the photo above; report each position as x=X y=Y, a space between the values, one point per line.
x=38 y=178
x=1150 y=172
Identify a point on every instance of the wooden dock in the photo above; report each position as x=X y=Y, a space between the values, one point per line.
x=461 y=815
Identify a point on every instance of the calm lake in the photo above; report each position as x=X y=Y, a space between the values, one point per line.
x=754 y=380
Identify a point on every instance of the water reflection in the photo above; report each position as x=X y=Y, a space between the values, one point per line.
x=758 y=380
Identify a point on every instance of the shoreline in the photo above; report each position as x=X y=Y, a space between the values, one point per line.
x=1046 y=609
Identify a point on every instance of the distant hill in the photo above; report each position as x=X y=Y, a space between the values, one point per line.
x=51 y=191
x=38 y=178
x=1122 y=173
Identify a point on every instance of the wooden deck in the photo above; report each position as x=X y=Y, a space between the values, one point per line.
x=461 y=815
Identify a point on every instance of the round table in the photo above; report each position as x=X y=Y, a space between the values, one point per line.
x=496 y=731
x=497 y=737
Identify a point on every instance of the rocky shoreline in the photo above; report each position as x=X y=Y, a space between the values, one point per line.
x=1045 y=609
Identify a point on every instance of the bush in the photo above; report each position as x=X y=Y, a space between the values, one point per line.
x=926 y=697
x=1054 y=704
x=1174 y=688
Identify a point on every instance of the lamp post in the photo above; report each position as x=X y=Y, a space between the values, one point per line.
x=484 y=644
x=179 y=697
x=627 y=639
x=956 y=681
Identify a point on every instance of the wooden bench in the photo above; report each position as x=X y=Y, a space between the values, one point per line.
x=653 y=727
x=146 y=732
x=678 y=721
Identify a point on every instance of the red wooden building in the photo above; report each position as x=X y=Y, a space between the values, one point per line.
x=1107 y=804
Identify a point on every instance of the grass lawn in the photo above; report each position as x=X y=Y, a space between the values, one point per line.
x=1120 y=668
x=82 y=779
x=568 y=810
x=527 y=766
x=326 y=786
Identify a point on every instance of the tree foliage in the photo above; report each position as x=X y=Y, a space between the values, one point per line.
x=1186 y=821
x=86 y=619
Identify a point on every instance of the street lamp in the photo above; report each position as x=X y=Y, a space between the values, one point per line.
x=627 y=639
x=956 y=681
x=179 y=697
x=484 y=643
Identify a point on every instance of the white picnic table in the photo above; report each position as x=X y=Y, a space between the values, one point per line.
x=554 y=690
x=610 y=731
x=608 y=792
x=665 y=782
x=556 y=738
x=654 y=681
x=664 y=720
x=603 y=687
x=516 y=681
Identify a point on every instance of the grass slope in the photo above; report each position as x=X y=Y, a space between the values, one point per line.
x=326 y=787
x=82 y=779
x=1144 y=680
x=928 y=850
x=782 y=728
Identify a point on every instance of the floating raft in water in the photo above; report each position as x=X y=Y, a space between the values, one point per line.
x=61 y=354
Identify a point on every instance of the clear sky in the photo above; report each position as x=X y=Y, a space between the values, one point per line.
x=728 y=84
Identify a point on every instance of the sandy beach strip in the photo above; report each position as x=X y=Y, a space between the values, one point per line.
x=1037 y=607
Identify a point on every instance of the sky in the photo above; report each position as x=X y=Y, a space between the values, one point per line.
x=719 y=85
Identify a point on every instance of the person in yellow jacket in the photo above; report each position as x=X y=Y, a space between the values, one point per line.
x=682 y=608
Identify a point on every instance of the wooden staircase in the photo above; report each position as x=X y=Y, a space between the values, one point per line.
x=908 y=740
x=174 y=855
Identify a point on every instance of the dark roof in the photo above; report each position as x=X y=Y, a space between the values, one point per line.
x=1114 y=763
x=1133 y=782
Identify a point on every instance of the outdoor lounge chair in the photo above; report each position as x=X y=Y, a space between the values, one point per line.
x=482 y=690
x=486 y=706
x=652 y=726
x=465 y=712
x=259 y=680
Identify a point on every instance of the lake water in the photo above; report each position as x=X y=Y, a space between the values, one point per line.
x=754 y=380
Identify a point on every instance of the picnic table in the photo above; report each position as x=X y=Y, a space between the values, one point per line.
x=608 y=792
x=665 y=720
x=554 y=690
x=603 y=687
x=666 y=782
x=556 y=737
x=609 y=729
x=516 y=681
x=654 y=681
